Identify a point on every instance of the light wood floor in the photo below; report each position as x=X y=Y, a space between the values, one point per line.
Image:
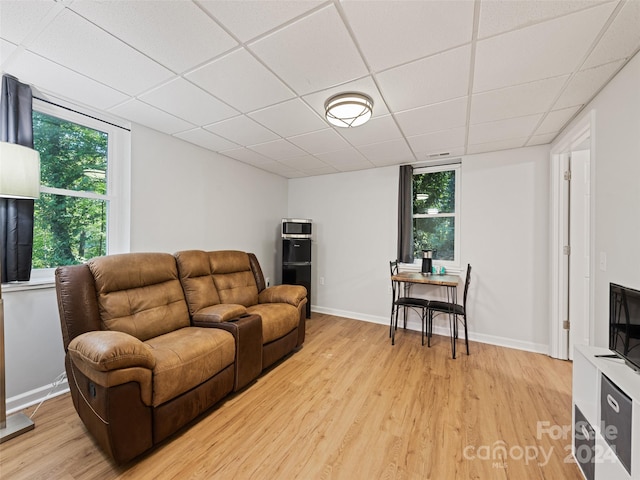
x=348 y=405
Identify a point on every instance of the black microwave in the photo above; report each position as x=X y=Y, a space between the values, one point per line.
x=296 y=228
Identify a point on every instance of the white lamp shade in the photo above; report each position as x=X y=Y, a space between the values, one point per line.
x=19 y=171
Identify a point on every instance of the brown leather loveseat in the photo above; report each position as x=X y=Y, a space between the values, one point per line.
x=143 y=360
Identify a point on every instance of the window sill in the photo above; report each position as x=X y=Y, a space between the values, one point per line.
x=30 y=285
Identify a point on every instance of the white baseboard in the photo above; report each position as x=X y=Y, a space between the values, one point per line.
x=33 y=397
x=413 y=324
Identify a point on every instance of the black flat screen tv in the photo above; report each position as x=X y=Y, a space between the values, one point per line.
x=624 y=323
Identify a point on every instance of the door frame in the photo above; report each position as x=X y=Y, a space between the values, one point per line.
x=558 y=266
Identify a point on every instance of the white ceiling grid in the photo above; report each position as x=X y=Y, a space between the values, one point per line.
x=249 y=79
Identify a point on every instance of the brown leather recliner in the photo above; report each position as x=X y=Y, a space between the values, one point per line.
x=137 y=368
x=225 y=284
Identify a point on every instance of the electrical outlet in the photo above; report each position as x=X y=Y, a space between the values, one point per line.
x=321 y=280
x=267 y=281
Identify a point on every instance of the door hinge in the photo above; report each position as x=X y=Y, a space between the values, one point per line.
x=566 y=324
x=566 y=250
x=567 y=175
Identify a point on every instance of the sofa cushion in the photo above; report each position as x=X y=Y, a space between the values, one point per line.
x=187 y=357
x=195 y=274
x=139 y=294
x=233 y=277
x=278 y=319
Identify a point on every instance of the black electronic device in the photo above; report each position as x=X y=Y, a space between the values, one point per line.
x=624 y=323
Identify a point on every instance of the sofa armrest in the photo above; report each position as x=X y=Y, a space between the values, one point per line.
x=291 y=294
x=106 y=351
x=218 y=313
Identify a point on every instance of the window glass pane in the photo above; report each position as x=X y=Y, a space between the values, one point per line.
x=72 y=156
x=68 y=230
x=434 y=192
x=434 y=233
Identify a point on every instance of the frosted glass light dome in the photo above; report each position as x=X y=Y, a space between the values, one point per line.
x=348 y=109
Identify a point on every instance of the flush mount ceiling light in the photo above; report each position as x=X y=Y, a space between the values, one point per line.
x=348 y=109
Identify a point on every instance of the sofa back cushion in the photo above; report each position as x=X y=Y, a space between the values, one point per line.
x=195 y=274
x=139 y=294
x=233 y=277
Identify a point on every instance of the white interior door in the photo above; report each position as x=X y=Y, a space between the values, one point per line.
x=579 y=241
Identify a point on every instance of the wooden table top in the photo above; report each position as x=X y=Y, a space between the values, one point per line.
x=418 y=277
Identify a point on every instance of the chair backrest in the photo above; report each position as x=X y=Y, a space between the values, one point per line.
x=393 y=268
x=466 y=286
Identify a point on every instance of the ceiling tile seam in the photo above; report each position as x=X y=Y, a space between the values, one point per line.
x=44 y=22
x=129 y=97
x=173 y=79
x=472 y=71
x=122 y=41
x=269 y=32
x=354 y=39
x=588 y=53
x=548 y=19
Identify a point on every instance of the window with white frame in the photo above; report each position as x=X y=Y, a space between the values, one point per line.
x=83 y=209
x=436 y=213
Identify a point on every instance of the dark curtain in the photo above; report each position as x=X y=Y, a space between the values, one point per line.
x=405 y=215
x=16 y=215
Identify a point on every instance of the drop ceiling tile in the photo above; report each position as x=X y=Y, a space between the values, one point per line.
x=518 y=101
x=247 y=156
x=511 y=128
x=248 y=19
x=279 y=169
x=20 y=19
x=206 y=139
x=79 y=45
x=176 y=34
x=6 y=49
x=304 y=162
x=520 y=56
x=556 y=120
x=342 y=158
x=434 y=79
x=313 y=53
x=417 y=29
x=241 y=81
x=499 y=16
x=278 y=149
x=393 y=152
x=437 y=142
x=364 y=85
x=622 y=38
x=321 y=141
x=432 y=118
x=496 y=146
x=378 y=129
x=139 y=112
x=541 y=139
x=585 y=84
x=289 y=118
x=320 y=171
x=242 y=130
x=62 y=82
x=188 y=102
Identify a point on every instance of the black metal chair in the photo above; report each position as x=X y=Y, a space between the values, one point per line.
x=420 y=305
x=456 y=313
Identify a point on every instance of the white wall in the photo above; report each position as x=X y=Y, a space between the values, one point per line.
x=616 y=160
x=504 y=237
x=183 y=197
